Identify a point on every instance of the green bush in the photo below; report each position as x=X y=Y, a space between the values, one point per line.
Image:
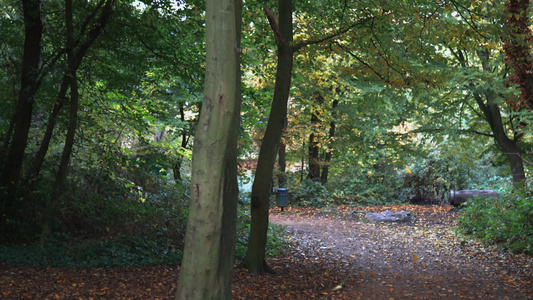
x=507 y=220
x=104 y=219
x=429 y=180
x=103 y=206
x=309 y=193
x=62 y=250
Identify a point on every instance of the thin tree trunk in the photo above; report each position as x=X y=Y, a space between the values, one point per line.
x=47 y=137
x=255 y=261
x=73 y=124
x=313 y=157
x=207 y=265
x=302 y=169
x=89 y=38
x=329 y=152
x=282 y=165
x=314 y=151
x=33 y=29
x=255 y=256
x=176 y=168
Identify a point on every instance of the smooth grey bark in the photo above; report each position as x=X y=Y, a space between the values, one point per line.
x=207 y=265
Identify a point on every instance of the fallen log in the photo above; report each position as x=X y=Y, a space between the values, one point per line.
x=459 y=197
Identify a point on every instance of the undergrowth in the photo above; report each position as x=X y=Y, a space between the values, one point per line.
x=141 y=233
x=506 y=221
x=275 y=241
x=63 y=251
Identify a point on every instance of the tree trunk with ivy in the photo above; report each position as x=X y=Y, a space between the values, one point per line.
x=517 y=47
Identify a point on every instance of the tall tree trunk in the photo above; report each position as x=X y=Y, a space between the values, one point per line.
x=29 y=85
x=313 y=148
x=282 y=164
x=176 y=167
x=207 y=265
x=492 y=114
x=73 y=124
x=517 y=47
x=255 y=255
x=261 y=188
x=509 y=147
x=11 y=167
x=329 y=152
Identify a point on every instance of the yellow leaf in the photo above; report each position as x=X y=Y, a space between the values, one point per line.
x=408 y=170
x=338 y=287
x=414 y=257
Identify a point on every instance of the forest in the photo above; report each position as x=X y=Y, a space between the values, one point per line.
x=116 y=116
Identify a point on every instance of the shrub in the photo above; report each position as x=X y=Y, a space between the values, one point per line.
x=62 y=250
x=110 y=206
x=430 y=180
x=106 y=220
x=507 y=220
x=309 y=193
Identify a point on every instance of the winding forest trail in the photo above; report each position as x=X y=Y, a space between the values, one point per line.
x=422 y=260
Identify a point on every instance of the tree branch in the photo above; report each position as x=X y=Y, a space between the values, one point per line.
x=461 y=131
x=302 y=44
x=274 y=26
x=363 y=62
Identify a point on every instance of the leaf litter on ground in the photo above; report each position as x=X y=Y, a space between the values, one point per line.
x=334 y=254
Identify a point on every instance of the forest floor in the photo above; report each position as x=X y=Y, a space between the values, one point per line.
x=335 y=254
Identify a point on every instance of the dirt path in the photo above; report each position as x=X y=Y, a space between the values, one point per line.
x=424 y=260
x=335 y=255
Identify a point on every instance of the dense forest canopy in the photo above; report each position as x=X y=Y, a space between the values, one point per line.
x=389 y=101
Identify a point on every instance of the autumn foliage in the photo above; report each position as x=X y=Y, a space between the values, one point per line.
x=517 y=47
